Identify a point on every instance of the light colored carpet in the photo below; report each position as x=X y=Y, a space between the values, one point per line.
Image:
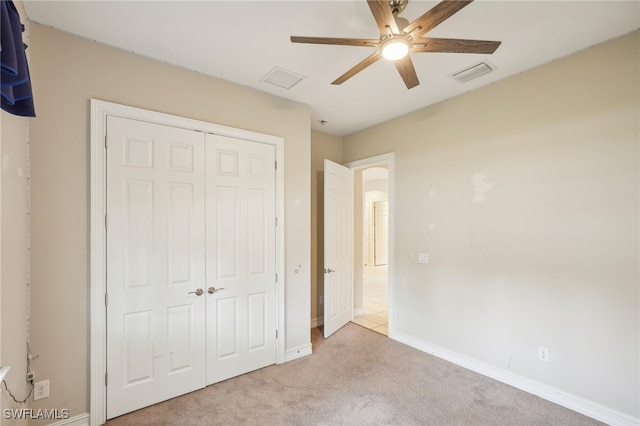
x=358 y=377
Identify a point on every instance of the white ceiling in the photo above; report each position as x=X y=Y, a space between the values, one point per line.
x=242 y=41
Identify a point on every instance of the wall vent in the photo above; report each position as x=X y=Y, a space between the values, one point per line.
x=283 y=78
x=474 y=71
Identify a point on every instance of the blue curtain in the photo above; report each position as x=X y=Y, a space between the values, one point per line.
x=15 y=82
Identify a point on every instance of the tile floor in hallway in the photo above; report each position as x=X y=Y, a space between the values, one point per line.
x=376 y=300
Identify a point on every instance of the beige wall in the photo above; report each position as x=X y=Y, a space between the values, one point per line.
x=14 y=257
x=323 y=146
x=525 y=196
x=67 y=71
x=13 y=249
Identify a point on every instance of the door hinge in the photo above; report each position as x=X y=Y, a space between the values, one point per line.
x=105 y=221
x=276 y=334
x=106 y=380
x=105 y=141
x=276 y=164
x=276 y=220
x=106 y=299
x=276 y=277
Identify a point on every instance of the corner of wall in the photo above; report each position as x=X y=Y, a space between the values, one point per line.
x=13 y=254
x=13 y=260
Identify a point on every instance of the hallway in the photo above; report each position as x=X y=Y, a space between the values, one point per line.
x=375 y=300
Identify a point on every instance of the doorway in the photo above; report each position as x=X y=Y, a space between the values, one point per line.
x=373 y=269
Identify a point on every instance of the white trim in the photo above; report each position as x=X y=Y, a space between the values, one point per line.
x=388 y=160
x=97 y=345
x=99 y=112
x=280 y=249
x=79 y=420
x=557 y=396
x=298 y=352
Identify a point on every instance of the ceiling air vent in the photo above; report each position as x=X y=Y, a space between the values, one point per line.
x=473 y=71
x=282 y=78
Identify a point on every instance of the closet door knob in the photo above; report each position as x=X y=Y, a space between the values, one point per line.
x=198 y=292
x=212 y=290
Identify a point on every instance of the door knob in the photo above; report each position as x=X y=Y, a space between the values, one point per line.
x=198 y=292
x=212 y=290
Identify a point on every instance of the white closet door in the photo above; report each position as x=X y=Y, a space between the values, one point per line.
x=241 y=256
x=182 y=205
x=155 y=263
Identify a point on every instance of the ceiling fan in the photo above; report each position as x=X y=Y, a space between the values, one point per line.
x=398 y=37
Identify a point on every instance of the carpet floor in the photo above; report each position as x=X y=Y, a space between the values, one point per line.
x=357 y=377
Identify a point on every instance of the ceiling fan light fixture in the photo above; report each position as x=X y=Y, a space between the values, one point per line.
x=395 y=48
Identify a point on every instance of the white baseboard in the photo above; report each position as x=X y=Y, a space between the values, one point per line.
x=79 y=420
x=567 y=400
x=317 y=322
x=297 y=352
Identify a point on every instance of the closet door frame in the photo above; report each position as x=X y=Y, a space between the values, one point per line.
x=97 y=262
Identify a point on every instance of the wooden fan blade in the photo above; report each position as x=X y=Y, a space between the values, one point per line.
x=355 y=70
x=368 y=42
x=434 y=17
x=384 y=17
x=453 y=45
x=407 y=72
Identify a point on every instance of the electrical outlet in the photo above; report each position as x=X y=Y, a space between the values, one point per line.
x=41 y=390
x=423 y=258
x=31 y=377
x=543 y=354
x=3 y=372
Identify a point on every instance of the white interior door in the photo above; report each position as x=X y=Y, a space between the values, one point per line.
x=155 y=252
x=381 y=232
x=338 y=246
x=241 y=256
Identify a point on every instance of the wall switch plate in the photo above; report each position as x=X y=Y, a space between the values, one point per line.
x=41 y=390
x=423 y=258
x=543 y=354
